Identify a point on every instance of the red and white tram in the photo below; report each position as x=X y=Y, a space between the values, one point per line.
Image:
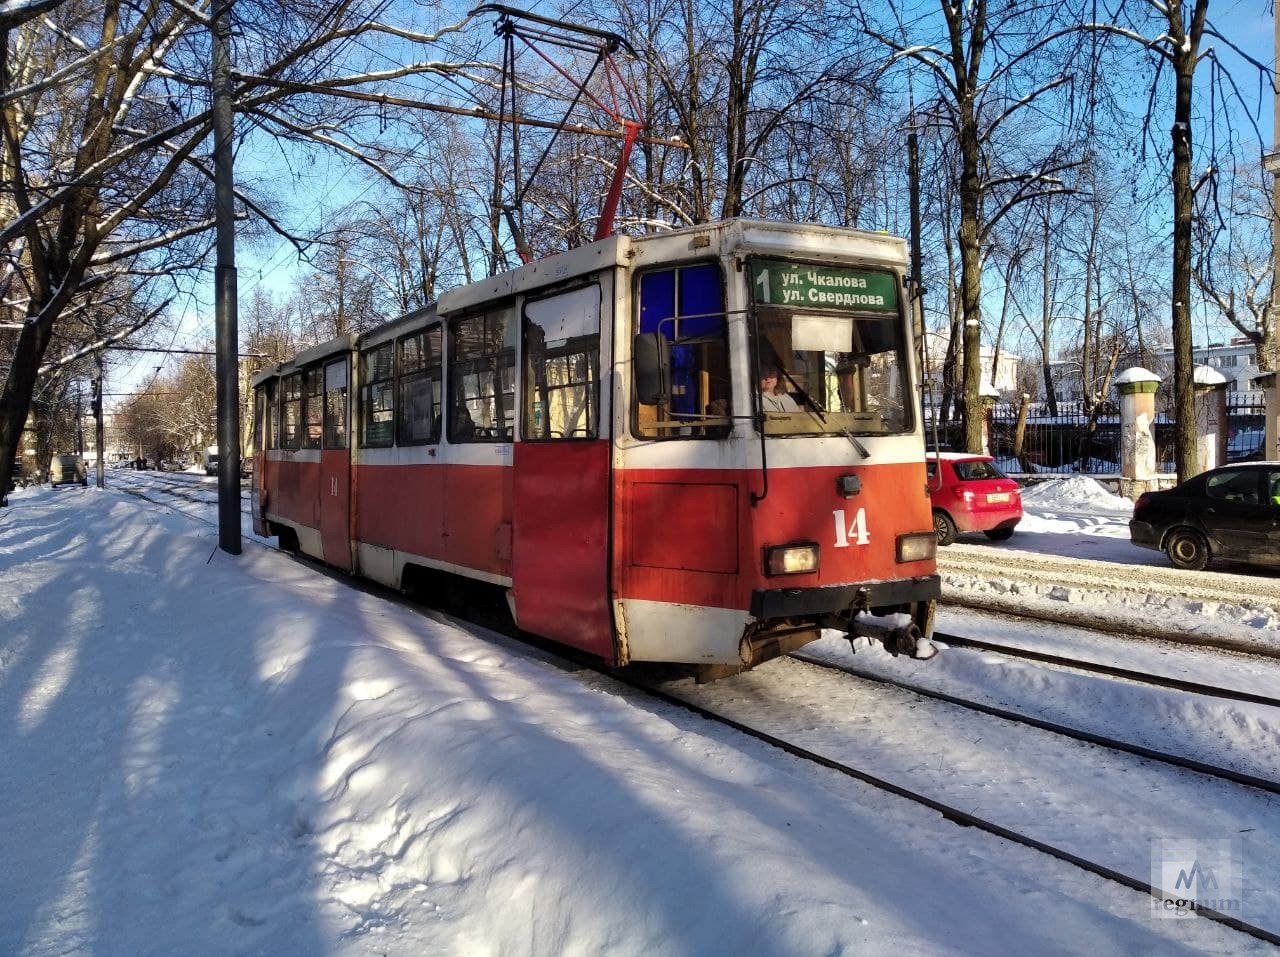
x=588 y=433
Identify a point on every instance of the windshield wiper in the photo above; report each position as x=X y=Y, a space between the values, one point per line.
x=862 y=449
x=817 y=412
x=806 y=398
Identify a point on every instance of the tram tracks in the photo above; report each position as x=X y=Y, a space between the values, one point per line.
x=1111 y=671
x=1140 y=601
x=1053 y=727
x=179 y=490
x=949 y=808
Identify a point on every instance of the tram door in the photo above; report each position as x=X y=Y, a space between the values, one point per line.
x=263 y=402
x=560 y=525
x=335 y=467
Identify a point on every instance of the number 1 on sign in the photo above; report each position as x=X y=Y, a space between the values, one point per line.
x=763 y=282
x=857 y=530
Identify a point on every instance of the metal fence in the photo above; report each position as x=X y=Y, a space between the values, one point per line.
x=1075 y=442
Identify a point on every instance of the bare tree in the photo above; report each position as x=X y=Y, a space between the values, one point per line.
x=762 y=93
x=104 y=122
x=993 y=65
x=1173 y=32
x=1234 y=264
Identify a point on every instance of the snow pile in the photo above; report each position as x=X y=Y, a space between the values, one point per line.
x=1075 y=493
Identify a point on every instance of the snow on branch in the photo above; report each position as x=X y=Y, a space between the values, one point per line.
x=104 y=342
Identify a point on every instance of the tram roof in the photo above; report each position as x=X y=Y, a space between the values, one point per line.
x=805 y=240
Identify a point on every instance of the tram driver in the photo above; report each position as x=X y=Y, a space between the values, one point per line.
x=773 y=398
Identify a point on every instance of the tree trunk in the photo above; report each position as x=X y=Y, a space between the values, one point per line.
x=1087 y=368
x=971 y=284
x=1046 y=321
x=1020 y=431
x=1184 y=59
x=15 y=399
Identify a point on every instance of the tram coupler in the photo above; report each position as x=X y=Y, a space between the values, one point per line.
x=899 y=633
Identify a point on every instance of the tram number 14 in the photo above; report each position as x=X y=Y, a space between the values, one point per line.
x=854 y=533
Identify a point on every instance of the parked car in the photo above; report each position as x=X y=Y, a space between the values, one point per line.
x=1232 y=512
x=969 y=493
x=67 y=470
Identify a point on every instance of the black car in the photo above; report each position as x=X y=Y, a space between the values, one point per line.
x=1228 y=512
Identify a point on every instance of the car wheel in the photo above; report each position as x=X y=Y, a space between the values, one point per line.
x=945 y=527
x=1187 y=548
x=999 y=534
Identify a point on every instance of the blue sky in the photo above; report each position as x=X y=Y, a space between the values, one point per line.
x=310 y=185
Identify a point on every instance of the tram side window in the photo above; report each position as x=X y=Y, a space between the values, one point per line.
x=419 y=383
x=276 y=412
x=562 y=366
x=263 y=410
x=335 y=405
x=313 y=407
x=377 y=397
x=686 y=304
x=482 y=373
x=291 y=412
x=259 y=413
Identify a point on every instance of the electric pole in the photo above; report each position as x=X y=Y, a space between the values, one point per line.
x=99 y=430
x=228 y=335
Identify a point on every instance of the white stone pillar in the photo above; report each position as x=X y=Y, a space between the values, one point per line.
x=1211 y=418
x=1137 y=388
x=1271 y=444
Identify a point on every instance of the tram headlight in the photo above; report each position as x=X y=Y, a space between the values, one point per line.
x=796 y=558
x=917 y=546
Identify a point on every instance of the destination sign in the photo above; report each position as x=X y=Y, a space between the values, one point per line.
x=823 y=287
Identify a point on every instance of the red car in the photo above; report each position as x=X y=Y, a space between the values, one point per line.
x=969 y=493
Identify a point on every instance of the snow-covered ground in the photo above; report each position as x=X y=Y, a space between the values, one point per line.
x=1071 y=559
x=201 y=753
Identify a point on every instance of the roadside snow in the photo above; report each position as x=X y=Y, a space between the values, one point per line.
x=1077 y=492
x=1071 y=558
x=244 y=755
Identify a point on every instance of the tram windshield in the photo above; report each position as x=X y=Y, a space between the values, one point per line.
x=830 y=348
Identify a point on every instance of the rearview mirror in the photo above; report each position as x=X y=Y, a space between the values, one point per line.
x=652 y=362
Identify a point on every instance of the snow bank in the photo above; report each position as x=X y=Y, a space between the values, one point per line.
x=1077 y=492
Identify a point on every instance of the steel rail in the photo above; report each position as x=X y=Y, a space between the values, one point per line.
x=1111 y=670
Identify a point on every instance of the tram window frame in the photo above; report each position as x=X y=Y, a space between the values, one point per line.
x=482 y=370
x=575 y=354
x=260 y=407
x=312 y=406
x=264 y=409
x=428 y=368
x=291 y=400
x=277 y=415
x=335 y=427
x=850 y=375
x=719 y=406
x=384 y=388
